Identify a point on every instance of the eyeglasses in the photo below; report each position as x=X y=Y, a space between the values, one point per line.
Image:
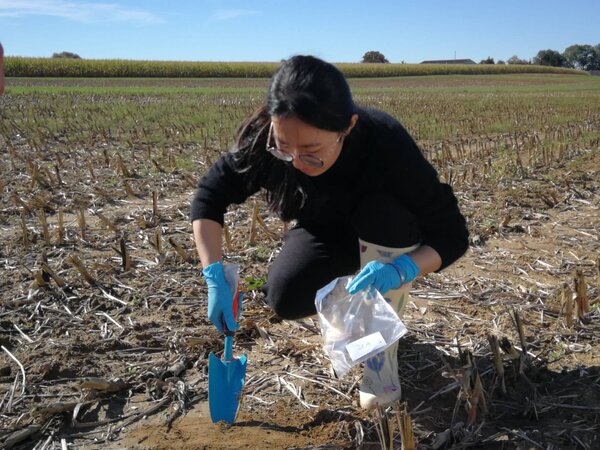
x=310 y=159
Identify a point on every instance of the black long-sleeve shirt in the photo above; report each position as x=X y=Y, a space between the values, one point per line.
x=378 y=156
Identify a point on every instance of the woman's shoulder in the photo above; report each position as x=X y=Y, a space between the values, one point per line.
x=376 y=118
x=383 y=128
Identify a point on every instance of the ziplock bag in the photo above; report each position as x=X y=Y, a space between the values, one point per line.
x=355 y=327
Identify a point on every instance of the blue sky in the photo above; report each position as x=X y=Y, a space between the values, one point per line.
x=271 y=30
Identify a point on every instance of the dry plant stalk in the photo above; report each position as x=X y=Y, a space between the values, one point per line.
x=385 y=432
x=477 y=399
x=92 y=173
x=58 y=280
x=44 y=225
x=406 y=428
x=160 y=168
x=81 y=222
x=76 y=262
x=263 y=225
x=107 y=222
x=34 y=172
x=18 y=202
x=39 y=202
x=128 y=189
x=581 y=298
x=60 y=231
x=57 y=172
x=39 y=280
x=125 y=258
x=24 y=230
x=180 y=251
x=156 y=241
x=567 y=298
x=190 y=180
x=154 y=204
x=121 y=167
x=598 y=279
x=495 y=346
x=252 y=237
x=521 y=332
x=227 y=236
x=101 y=384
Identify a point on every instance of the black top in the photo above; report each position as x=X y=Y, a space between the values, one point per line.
x=378 y=156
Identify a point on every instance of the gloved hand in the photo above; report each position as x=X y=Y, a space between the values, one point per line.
x=220 y=298
x=385 y=276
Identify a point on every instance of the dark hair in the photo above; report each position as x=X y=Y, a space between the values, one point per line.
x=305 y=87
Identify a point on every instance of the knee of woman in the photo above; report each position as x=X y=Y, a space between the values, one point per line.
x=287 y=304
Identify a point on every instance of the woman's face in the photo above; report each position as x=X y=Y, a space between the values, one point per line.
x=295 y=137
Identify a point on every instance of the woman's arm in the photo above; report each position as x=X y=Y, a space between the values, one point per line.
x=426 y=259
x=208 y=238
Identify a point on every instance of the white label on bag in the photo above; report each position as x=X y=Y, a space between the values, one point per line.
x=365 y=345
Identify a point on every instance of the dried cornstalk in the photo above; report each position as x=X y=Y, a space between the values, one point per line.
x=125 y=258
x=17 y=436
x=57 y=172
x=39 y=280
x=91 y=169
x=477 y=400
x=121 y=167
x=227 y=236
x=190 y=180
x=598 y=279
x=263 y=225
x=18 y=202
x=154 y=204
x=493 y=340
x=406 y=429
x=81 y=222
x=106 y=221
x=521 y=332
x=44 y=225
x=100 y=384
x=581 y=298
x=385 y=432
x=128 y=189
x=156 y=241
x=160 y=168
x=58 y=280
x=54 y=408
x=24 y=230
x=567 y=298
x=253 y=224
x=180 y=251
x=40 y=202
x=60 y=231
x=509 y=349
x=34 y=172
x=76 y=262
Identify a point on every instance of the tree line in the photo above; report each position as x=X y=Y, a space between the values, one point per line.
x=583 y=57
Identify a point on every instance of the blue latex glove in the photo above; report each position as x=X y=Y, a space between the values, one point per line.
x=220 y=298
x=385 y=277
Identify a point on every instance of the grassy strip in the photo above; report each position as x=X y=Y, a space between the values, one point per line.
x=47 y=67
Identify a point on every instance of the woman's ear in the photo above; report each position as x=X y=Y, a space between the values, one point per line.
x=353 y=121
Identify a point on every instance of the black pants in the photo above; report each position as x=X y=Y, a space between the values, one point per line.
x=312 y=256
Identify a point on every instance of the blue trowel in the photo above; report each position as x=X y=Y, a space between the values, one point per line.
x=226 y=375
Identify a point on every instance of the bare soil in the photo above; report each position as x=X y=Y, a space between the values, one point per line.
x=145 y=329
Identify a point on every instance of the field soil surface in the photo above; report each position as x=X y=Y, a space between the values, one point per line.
x=103 y=326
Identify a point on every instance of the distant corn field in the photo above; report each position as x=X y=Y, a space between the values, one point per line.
x=47 y=67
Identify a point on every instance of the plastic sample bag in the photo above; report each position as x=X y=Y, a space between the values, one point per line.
x=355 y=327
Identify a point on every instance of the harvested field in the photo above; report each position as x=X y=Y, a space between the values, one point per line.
x=103 y=329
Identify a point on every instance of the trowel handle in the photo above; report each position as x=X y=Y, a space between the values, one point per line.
x=237 y=298
x=227 y=352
